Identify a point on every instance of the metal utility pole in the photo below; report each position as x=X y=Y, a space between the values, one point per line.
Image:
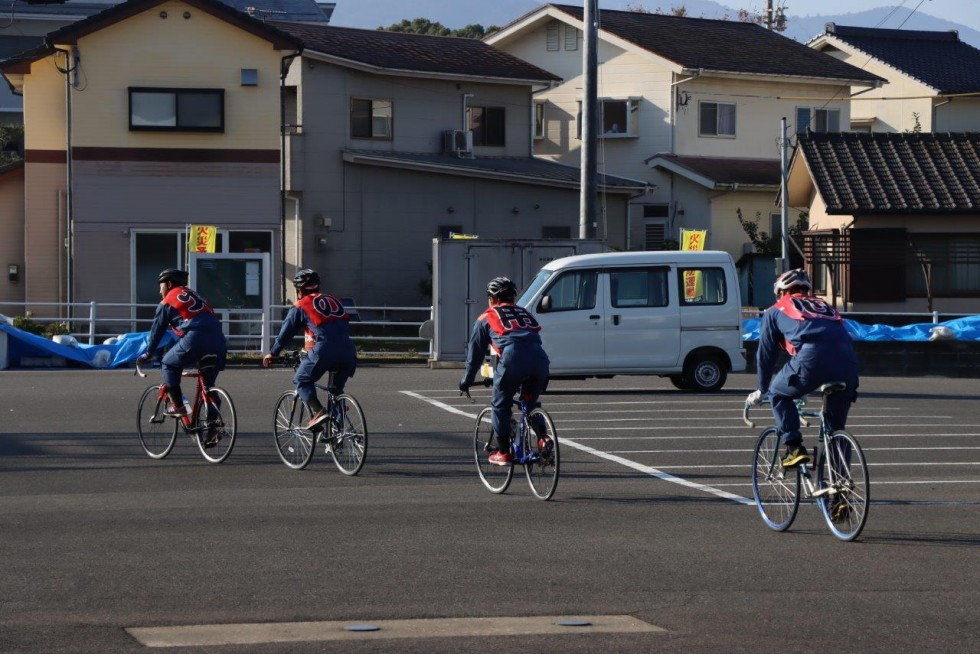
x=769 y=15
x=589 y=166
x=784 y=192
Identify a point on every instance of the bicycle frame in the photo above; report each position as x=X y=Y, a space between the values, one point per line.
x=200 y=393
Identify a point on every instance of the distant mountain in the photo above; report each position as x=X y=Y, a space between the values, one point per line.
x=454 y=14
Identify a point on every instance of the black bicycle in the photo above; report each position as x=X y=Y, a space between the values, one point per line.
x=344 y=434
x=842 y=487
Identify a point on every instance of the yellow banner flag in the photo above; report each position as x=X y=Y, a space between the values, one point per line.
x=203 y=238
x=693 y=239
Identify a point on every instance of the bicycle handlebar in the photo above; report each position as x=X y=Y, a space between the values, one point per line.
x=799 y=405
x=138 y=371
x=487 y=383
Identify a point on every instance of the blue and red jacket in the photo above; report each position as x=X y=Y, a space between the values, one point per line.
x=802 y=325
x=183 y=310
x=502 y=328
x=324 y=319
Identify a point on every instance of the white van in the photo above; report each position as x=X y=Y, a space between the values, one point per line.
x=674 y=314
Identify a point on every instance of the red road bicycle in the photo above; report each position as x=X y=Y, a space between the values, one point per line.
x=211 y=423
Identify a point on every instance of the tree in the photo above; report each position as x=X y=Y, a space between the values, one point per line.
x=10 y=138
x=426 y=26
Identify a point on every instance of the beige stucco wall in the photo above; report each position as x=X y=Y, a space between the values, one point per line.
x=12 y=241
x=894 y=105
x=199 y=52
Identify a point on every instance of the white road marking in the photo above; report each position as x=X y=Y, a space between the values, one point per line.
x=653 y=472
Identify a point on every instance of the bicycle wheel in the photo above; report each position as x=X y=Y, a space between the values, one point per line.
x=348 y=435
x=217 y=426
x=845 y=471
x=495 y=478
x=543 y=467
x=294 y=442
x=777 y=491
x=157 y=432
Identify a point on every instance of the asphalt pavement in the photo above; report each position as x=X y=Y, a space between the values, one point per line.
x=652 y=536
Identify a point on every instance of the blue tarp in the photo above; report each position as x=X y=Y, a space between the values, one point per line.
x=963 y=329
x=125 y=349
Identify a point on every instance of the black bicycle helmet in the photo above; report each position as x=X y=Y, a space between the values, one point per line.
x=176 y=276
x=501 y=287
x=306 y=279
x=791 y=278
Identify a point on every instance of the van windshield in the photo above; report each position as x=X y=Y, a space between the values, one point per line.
x=534 y=287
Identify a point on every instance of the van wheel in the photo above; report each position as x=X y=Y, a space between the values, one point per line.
x=705 y=373
x=679 y=381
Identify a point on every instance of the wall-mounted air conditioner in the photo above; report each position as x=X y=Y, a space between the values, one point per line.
x=458 y=142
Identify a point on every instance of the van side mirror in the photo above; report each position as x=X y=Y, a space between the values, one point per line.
x=544 y=306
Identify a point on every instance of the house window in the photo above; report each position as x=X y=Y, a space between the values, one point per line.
x=371 y=119
x=176 y=110
x=617 y=118
x=539 y=124
x=655 y=226
x=817 y=120
x=551 y=37
x=556 y=231
x=572 y=36
x=487 y=125
x=717 y=119
x=955 y=264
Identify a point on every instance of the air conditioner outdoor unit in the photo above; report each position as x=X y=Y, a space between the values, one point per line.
x=458 y=142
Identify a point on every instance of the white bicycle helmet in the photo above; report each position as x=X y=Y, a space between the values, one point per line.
x=791 y=278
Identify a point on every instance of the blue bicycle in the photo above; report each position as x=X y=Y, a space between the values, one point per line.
x=842 y=487
x=536 y=448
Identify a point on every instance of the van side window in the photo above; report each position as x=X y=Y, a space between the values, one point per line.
x=702 y=286
x=574 y=290
x=644 y=287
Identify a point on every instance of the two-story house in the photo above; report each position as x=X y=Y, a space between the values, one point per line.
x=689 y=104
x=395 y=139
x=933 y=78
x=140 y=120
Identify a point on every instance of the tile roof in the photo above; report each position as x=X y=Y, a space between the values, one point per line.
x=39 y=10
x=722 y=45
x=298 y=10
x=532 y=170
x=938 y=59
x=886 y=173
x=723 y=171
x=415 y=53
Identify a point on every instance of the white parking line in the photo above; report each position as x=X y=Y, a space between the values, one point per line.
x=653 y=472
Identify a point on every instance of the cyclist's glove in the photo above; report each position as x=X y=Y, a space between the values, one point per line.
x=754 y=398
x=464 y=385
x=143 y=358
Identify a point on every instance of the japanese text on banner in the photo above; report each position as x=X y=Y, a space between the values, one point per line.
x=693 y=239
x=203 y=238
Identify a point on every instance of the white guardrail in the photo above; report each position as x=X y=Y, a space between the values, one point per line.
x=376 y=330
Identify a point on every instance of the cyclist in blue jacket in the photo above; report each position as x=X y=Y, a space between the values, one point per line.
x=512 y=333
x=813 y=333
x=328 y=344
x=191 y=317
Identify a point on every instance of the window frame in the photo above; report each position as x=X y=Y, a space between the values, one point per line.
x=662 y=272
x=682 y=297
x=813 y=116
x=371 y=118
x=581 y=272
x=539 y=125
x=480 y=136
x=176 y=93
x=701 y=107
x=632 y=119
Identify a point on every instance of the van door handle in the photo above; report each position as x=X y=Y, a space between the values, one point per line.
x=615 y=319
x=594 y=316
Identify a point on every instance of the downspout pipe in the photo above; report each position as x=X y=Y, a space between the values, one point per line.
x=283 y=72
